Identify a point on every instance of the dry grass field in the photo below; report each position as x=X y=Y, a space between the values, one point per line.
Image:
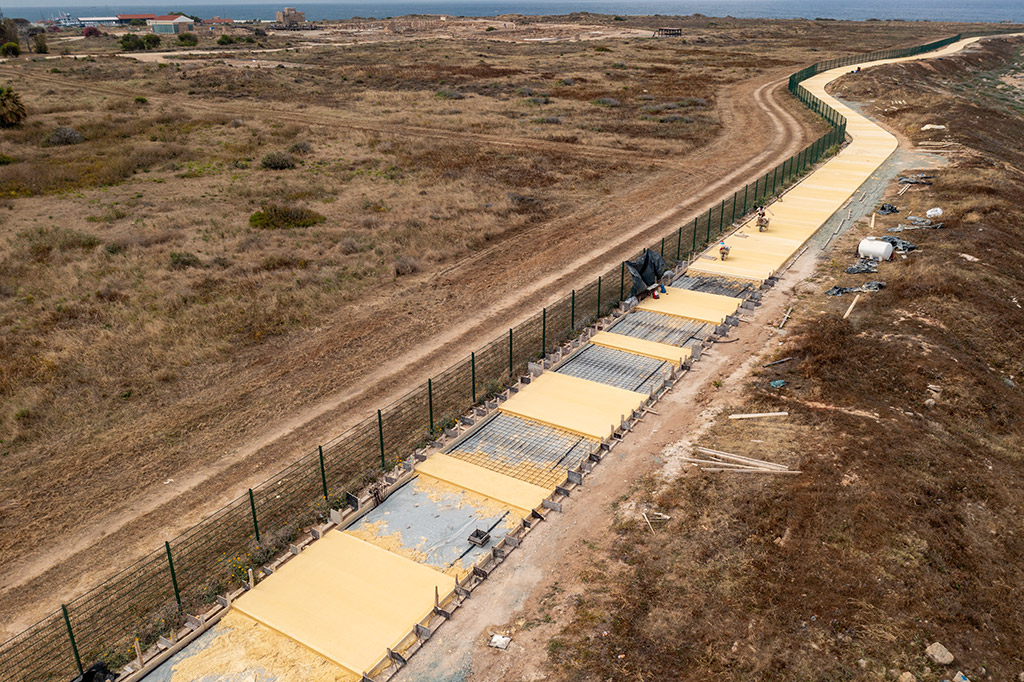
x=905 y=527
x=209 y=264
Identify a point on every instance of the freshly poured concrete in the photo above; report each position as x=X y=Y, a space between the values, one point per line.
x=588 y=408
x=520 y=495
x=651 y=349
x=346 y=599
x=693 y=305
x=431 y=525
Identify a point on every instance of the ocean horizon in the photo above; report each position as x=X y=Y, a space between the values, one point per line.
x=908 y=10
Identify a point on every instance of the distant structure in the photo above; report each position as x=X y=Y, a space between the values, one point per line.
x=172 y=23
x=99 y=21
x=669 y=32
x=127 y=19
x=290 y=15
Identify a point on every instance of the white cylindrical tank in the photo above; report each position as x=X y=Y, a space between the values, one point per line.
x=873 y=247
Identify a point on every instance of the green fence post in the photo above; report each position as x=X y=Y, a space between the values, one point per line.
x=430 y=402
x=255 y=523
x=323 y=471
x=71 y=636
x=679 y=243
x=694 y=235
x=472 y=370
x=721 y=216
x=598 y=297
x=622 y=278
x=707 y=238
x=509 y=353
x=380 y=437
x=174 y=577
x=732 y=218
x=775 y=178
x=544 y=333
x=745 y=207
x=572 y=318
x=662 y=253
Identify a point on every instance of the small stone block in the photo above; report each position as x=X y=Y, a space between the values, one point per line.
x=294 y=549
x=552 y=505
x=223 y=601
x=165 y=643
x=575 y=477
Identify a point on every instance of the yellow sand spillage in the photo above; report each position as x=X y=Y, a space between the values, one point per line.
x=441 y=492
x=248 y=646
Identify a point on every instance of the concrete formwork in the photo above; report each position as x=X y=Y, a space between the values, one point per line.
x=523 y=449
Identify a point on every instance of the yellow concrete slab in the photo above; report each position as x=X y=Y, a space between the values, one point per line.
x=694 y=305
x=650 y=349
x=346 y=599
x=584 y=407
x=519 y=495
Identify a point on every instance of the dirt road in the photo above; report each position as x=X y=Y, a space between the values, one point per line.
x=267 y=415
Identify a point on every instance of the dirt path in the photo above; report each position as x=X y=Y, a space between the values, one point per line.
x=524 y=272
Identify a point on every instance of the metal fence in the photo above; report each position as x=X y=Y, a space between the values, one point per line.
x=148 y=599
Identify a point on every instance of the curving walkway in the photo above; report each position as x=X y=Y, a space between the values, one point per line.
x=802 y=210
x=355 y=603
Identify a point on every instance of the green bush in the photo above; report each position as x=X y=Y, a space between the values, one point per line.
x=39 y=44
x=7 y=160
x=132 y=43
x=180 y=260
x=225 y=40
x=276 y=217
x=150 y=41
x=12 y=111
x=10 y=50
x=189 y=39
x=278 y=161
x=141 y=100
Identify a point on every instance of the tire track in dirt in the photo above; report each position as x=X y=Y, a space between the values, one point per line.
x=500 y=295
x=337 y=120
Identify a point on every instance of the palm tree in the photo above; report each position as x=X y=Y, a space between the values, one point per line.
x=12 y=111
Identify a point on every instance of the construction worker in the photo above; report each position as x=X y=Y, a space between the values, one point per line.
x=762 y=219
x=723 y=250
